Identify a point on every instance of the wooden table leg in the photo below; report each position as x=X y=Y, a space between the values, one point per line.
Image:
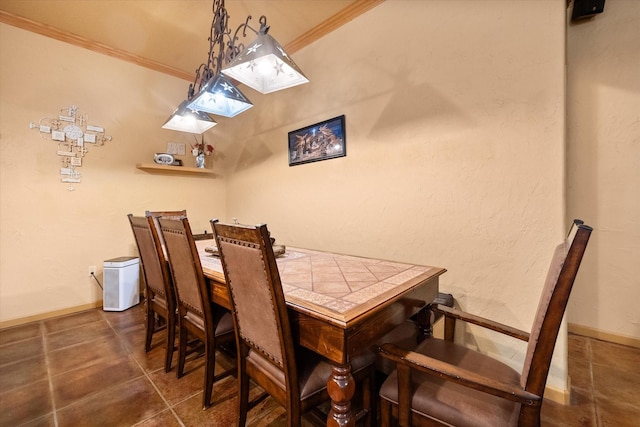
x=341 y=388
x=426 y=317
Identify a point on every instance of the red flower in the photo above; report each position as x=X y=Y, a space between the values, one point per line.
x=202 y=148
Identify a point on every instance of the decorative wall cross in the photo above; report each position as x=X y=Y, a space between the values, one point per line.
x=72 y=133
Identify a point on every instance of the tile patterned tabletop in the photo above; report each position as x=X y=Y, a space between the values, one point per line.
x=340 y=287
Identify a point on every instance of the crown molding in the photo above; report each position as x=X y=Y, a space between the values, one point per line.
x=347 y=14
x=76 y=40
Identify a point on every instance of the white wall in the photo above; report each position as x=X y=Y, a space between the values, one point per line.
x=603 y=153
x=51 y=235
x=455 y=150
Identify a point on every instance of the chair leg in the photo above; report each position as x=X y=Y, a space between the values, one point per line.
x=171 y=342
x=150 y=323
x=182 y=349
x=370 y=398
x=294 y=415
x=243 y=392
x=385 y=413
x=209 y=371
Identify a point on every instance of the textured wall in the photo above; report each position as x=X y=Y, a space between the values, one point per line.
x=603 y=184
x=455 y=150
x=455 y=157
x=50 y=235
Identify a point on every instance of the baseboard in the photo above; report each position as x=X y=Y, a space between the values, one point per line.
x=603 y=335
x=557 y=395
x=50 y=314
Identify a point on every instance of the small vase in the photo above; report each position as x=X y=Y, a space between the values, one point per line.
x=200 y=161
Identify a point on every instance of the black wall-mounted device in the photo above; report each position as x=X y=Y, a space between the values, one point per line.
x=586 y=8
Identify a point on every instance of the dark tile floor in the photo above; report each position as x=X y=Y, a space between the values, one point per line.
x=90 y=369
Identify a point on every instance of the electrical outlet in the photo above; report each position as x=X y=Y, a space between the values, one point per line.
x=92 y=270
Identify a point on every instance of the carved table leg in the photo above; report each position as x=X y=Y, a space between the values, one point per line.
x=341 y=388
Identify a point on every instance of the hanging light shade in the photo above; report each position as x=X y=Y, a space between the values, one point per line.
x=220 y=96
x=184 y=119
x=265 y=66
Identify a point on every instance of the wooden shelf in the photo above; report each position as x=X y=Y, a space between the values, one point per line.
x=153 y=167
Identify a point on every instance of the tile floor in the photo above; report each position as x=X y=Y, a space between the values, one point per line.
x=90 y=369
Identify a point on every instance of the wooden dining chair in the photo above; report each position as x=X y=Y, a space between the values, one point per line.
x=444 y=383
x=160 y=301
x=153 y=217
x=167 y=215
x=198 y=316
x=293 y=376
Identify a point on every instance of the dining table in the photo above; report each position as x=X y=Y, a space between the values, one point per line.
x=339 y=306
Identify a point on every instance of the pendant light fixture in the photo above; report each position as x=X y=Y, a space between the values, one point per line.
x=220 y=96
x=263 y=66
x=184 y=119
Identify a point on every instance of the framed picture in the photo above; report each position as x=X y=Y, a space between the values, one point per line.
x=321 y=141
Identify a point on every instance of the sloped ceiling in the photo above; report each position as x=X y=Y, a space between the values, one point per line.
x=172 y=35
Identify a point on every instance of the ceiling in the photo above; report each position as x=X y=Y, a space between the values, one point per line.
x=172 y=34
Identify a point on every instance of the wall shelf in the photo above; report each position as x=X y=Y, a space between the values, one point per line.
x=153 y=167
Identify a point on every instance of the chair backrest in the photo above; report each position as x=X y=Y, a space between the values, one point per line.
x=154 y=267
x=259 y=307
x=194 y=302
x=553 y=302
x=165 y=214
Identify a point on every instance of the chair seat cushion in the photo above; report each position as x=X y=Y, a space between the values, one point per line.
x=452 y=403
x=160 y=300
x=222 y=319
x=224 y=324
x=313 y=371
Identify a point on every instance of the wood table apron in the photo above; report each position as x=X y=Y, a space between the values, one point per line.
x=339 y=306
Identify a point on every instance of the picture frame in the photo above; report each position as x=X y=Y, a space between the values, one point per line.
x=320 y=141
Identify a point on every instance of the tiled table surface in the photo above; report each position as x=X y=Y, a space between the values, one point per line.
x=339 y=286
